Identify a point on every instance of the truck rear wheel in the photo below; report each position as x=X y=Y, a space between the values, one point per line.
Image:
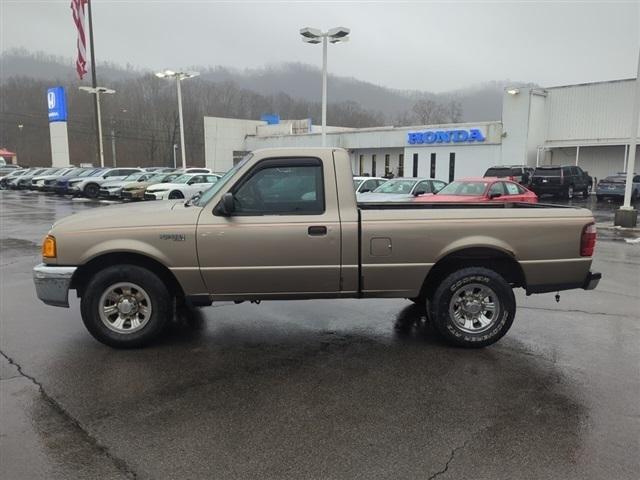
x=125 y=306
x=473 y=307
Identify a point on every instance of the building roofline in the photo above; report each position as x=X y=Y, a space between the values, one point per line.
x=586 y=84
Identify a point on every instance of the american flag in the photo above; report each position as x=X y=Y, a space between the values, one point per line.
x=78 y=7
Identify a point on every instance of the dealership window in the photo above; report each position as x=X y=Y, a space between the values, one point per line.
x=361 y=165
x=415 y=165
x=373 y=165
x=387 y=162
x=452 y=166
x=432 y=173
x=401 y=165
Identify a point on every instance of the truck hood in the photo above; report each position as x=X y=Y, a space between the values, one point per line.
x=141 y=215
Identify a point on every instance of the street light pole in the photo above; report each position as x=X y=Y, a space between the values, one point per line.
x=334 y=35
x=97 y=91
x=179 y=76
x=324 y=91
x=627 y=216
x=181 y=120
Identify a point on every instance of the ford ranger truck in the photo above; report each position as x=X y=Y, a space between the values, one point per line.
x=284 y=224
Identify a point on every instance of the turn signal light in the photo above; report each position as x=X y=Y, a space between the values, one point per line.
x=588 y=240
x=49 y=247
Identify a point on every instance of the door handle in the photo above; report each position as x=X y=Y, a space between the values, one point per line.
x=317 y=231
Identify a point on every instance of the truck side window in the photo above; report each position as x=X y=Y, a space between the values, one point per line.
x=290 y=189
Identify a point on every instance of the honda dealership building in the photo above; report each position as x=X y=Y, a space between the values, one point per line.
x=586 y=125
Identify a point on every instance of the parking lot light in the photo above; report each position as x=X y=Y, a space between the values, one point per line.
x=179 y=76
x=315 y=36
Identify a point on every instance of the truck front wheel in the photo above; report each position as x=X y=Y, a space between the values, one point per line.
x=125 y=306
x=473 y=307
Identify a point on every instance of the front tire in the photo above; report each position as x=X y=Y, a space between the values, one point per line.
x=91 y=190
x=126 y=306
x=473 y=307
x=175 y=195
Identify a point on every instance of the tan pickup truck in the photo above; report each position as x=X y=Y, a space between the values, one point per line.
x=284 y=224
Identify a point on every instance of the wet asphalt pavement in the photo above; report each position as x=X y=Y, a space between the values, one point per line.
x=319 y=389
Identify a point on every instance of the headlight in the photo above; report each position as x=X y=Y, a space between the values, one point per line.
x=159 y=190
x=49 y=247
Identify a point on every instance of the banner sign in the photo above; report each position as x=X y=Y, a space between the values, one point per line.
x=57 y=103
x=471 y=135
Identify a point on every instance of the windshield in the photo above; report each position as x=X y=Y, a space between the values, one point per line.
x=464 y=188
x=216 y=187
x=158 y=178
x=183 y=178
x=49 y=171
x=396 y=186
x=91 y=173
x=356 y=183
x=73 y=172
x=615 y=180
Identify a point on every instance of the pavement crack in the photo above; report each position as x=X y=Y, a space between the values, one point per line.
x=575 y=311
x=118 y=462
x=451 y=455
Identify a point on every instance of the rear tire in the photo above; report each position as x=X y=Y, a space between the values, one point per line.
x=126 y=306
x=473 y=307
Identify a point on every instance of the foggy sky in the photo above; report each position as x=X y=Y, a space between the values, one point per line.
x=407 y=45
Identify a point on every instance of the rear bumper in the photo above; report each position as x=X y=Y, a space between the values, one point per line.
x=590 y=282
x=52 y=284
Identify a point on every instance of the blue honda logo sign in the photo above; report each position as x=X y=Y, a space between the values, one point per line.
x=446 y=136
x=57 y=103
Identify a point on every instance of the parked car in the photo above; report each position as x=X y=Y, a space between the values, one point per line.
x=61 y=185
x=50 y=182
x=135 y=191
x=516 y=173
x=10 y=177
x=481 y=190
x=561 y=181
x=185 y=186
x=8 y=168
x=401 y=189
x=113 y=189
x=614 y=186
x=367 y=184
x=38 y=182
x=24 y=181
x=284 y=224
x=90 y=186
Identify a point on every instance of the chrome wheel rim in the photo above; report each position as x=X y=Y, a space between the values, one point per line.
x=474 y=308
x=125 y=308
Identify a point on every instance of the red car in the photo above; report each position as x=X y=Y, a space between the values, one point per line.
x=481 y=190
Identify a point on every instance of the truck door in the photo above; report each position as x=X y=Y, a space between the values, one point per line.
x=283 y=237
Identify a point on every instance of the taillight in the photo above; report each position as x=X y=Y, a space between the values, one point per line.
x=588 y=240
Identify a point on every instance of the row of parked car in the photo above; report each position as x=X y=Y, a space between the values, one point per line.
x=151 y=183
x=512 y=183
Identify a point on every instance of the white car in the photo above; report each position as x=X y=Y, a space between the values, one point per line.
x=401 y=189
x=367 y=184
x=193 y=170
x=90 y=186
x=185 y=186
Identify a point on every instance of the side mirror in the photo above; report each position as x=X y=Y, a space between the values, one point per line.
x=494 y=195
x=226 y=206
x=419 y=192
x=364 y=190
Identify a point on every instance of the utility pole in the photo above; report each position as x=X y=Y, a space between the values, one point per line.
x=113 y=142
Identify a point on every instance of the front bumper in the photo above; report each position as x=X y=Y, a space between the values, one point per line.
x=133 y=194
x=155 y=195
x=52 y=284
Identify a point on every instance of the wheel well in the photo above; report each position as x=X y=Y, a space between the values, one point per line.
x=83 y=274
x=491 y=258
